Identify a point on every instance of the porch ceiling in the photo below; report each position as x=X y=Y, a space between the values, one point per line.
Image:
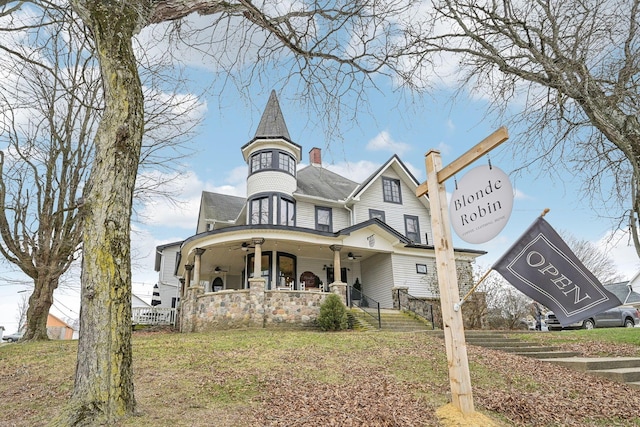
x=230 y=256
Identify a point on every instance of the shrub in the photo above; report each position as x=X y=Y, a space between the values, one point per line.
x=333 y=314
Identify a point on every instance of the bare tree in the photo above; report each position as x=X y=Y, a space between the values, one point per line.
x=506 y=306
x=343 y=41
x=573 y=64
x=595 y=259
x=51 y=103
x=21 y=317
x=48 y=112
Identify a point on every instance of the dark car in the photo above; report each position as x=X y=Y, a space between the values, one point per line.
x=13 y=337
x=622 y=316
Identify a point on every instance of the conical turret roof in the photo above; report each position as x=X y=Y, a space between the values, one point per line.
x=272 y=123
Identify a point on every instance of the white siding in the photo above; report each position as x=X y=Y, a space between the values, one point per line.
x=420 y=285
x=202 y=221
x=271 y=181
x=394 y=212
x=168 y=266
x=340 y=219
x=167 y=293
x=306 y=216
x=377 y=279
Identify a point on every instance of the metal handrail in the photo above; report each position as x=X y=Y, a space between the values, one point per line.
x=412 y=307
x=365 y=303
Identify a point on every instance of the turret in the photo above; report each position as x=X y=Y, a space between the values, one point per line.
x=272 y=159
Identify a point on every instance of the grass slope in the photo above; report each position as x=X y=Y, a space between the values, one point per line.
x=307 y=378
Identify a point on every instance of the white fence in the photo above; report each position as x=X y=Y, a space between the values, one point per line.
x=153 y=316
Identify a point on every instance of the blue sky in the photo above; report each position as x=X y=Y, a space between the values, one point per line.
x=389 y=124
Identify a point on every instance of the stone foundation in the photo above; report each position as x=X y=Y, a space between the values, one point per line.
x=250 y=308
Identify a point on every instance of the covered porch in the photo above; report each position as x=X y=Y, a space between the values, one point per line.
x=298 y=260
x=252 y=276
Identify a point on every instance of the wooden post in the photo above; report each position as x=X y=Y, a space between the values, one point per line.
x=459 y=377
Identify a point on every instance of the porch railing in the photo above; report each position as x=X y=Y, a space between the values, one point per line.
x=366 y=304
x=153 y=316
x=417 y=306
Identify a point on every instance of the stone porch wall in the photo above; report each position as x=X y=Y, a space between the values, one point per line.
x=252 y=307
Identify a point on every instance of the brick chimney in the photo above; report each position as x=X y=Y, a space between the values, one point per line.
x=315 y=156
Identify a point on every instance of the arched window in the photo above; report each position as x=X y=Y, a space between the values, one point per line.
x=286 y=271
x=217 y=284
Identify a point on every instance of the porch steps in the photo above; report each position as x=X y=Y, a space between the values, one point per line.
x=391 y=320
x=357 y=320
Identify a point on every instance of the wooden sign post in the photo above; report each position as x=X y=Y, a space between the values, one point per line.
x=459 y=378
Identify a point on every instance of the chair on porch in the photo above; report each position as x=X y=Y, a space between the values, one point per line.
x=284 y=285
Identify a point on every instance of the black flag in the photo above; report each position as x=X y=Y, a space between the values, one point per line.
x=541 y=266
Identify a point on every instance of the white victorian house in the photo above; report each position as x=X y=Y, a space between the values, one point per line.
x=272 y=257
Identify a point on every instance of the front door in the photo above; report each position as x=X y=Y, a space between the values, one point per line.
x=330 y=275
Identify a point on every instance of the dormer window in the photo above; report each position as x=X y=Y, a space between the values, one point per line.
x=272 y=160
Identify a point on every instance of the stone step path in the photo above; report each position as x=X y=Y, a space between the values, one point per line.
x=391 y=320
x=621 y=369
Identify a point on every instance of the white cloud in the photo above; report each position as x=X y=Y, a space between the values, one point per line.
x=445 y=149
x=188 y=187
x=619 y=246
x=519 y=195
x=384 y=142
x=357 y=172
x=450 y=126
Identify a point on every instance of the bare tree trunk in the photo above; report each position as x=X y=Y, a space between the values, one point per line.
x=40 y=302
x=103 y=390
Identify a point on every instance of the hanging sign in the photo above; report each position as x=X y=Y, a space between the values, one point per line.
x=481 y=204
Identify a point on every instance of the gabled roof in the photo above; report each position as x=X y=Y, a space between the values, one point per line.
x=316 y=181
x=395 y=163
x=161 y=248
x=272 y=123
x=624 y=294
x=136 y=301
x=56 y=322
x=375 y=221
x=221 y=207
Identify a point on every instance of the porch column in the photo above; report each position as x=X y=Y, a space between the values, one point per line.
x=257 y=286
x=257 y=257
x=337 y=270
x=182 y=287
x=187 y=278
x=338 y=287
x=196 y=268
